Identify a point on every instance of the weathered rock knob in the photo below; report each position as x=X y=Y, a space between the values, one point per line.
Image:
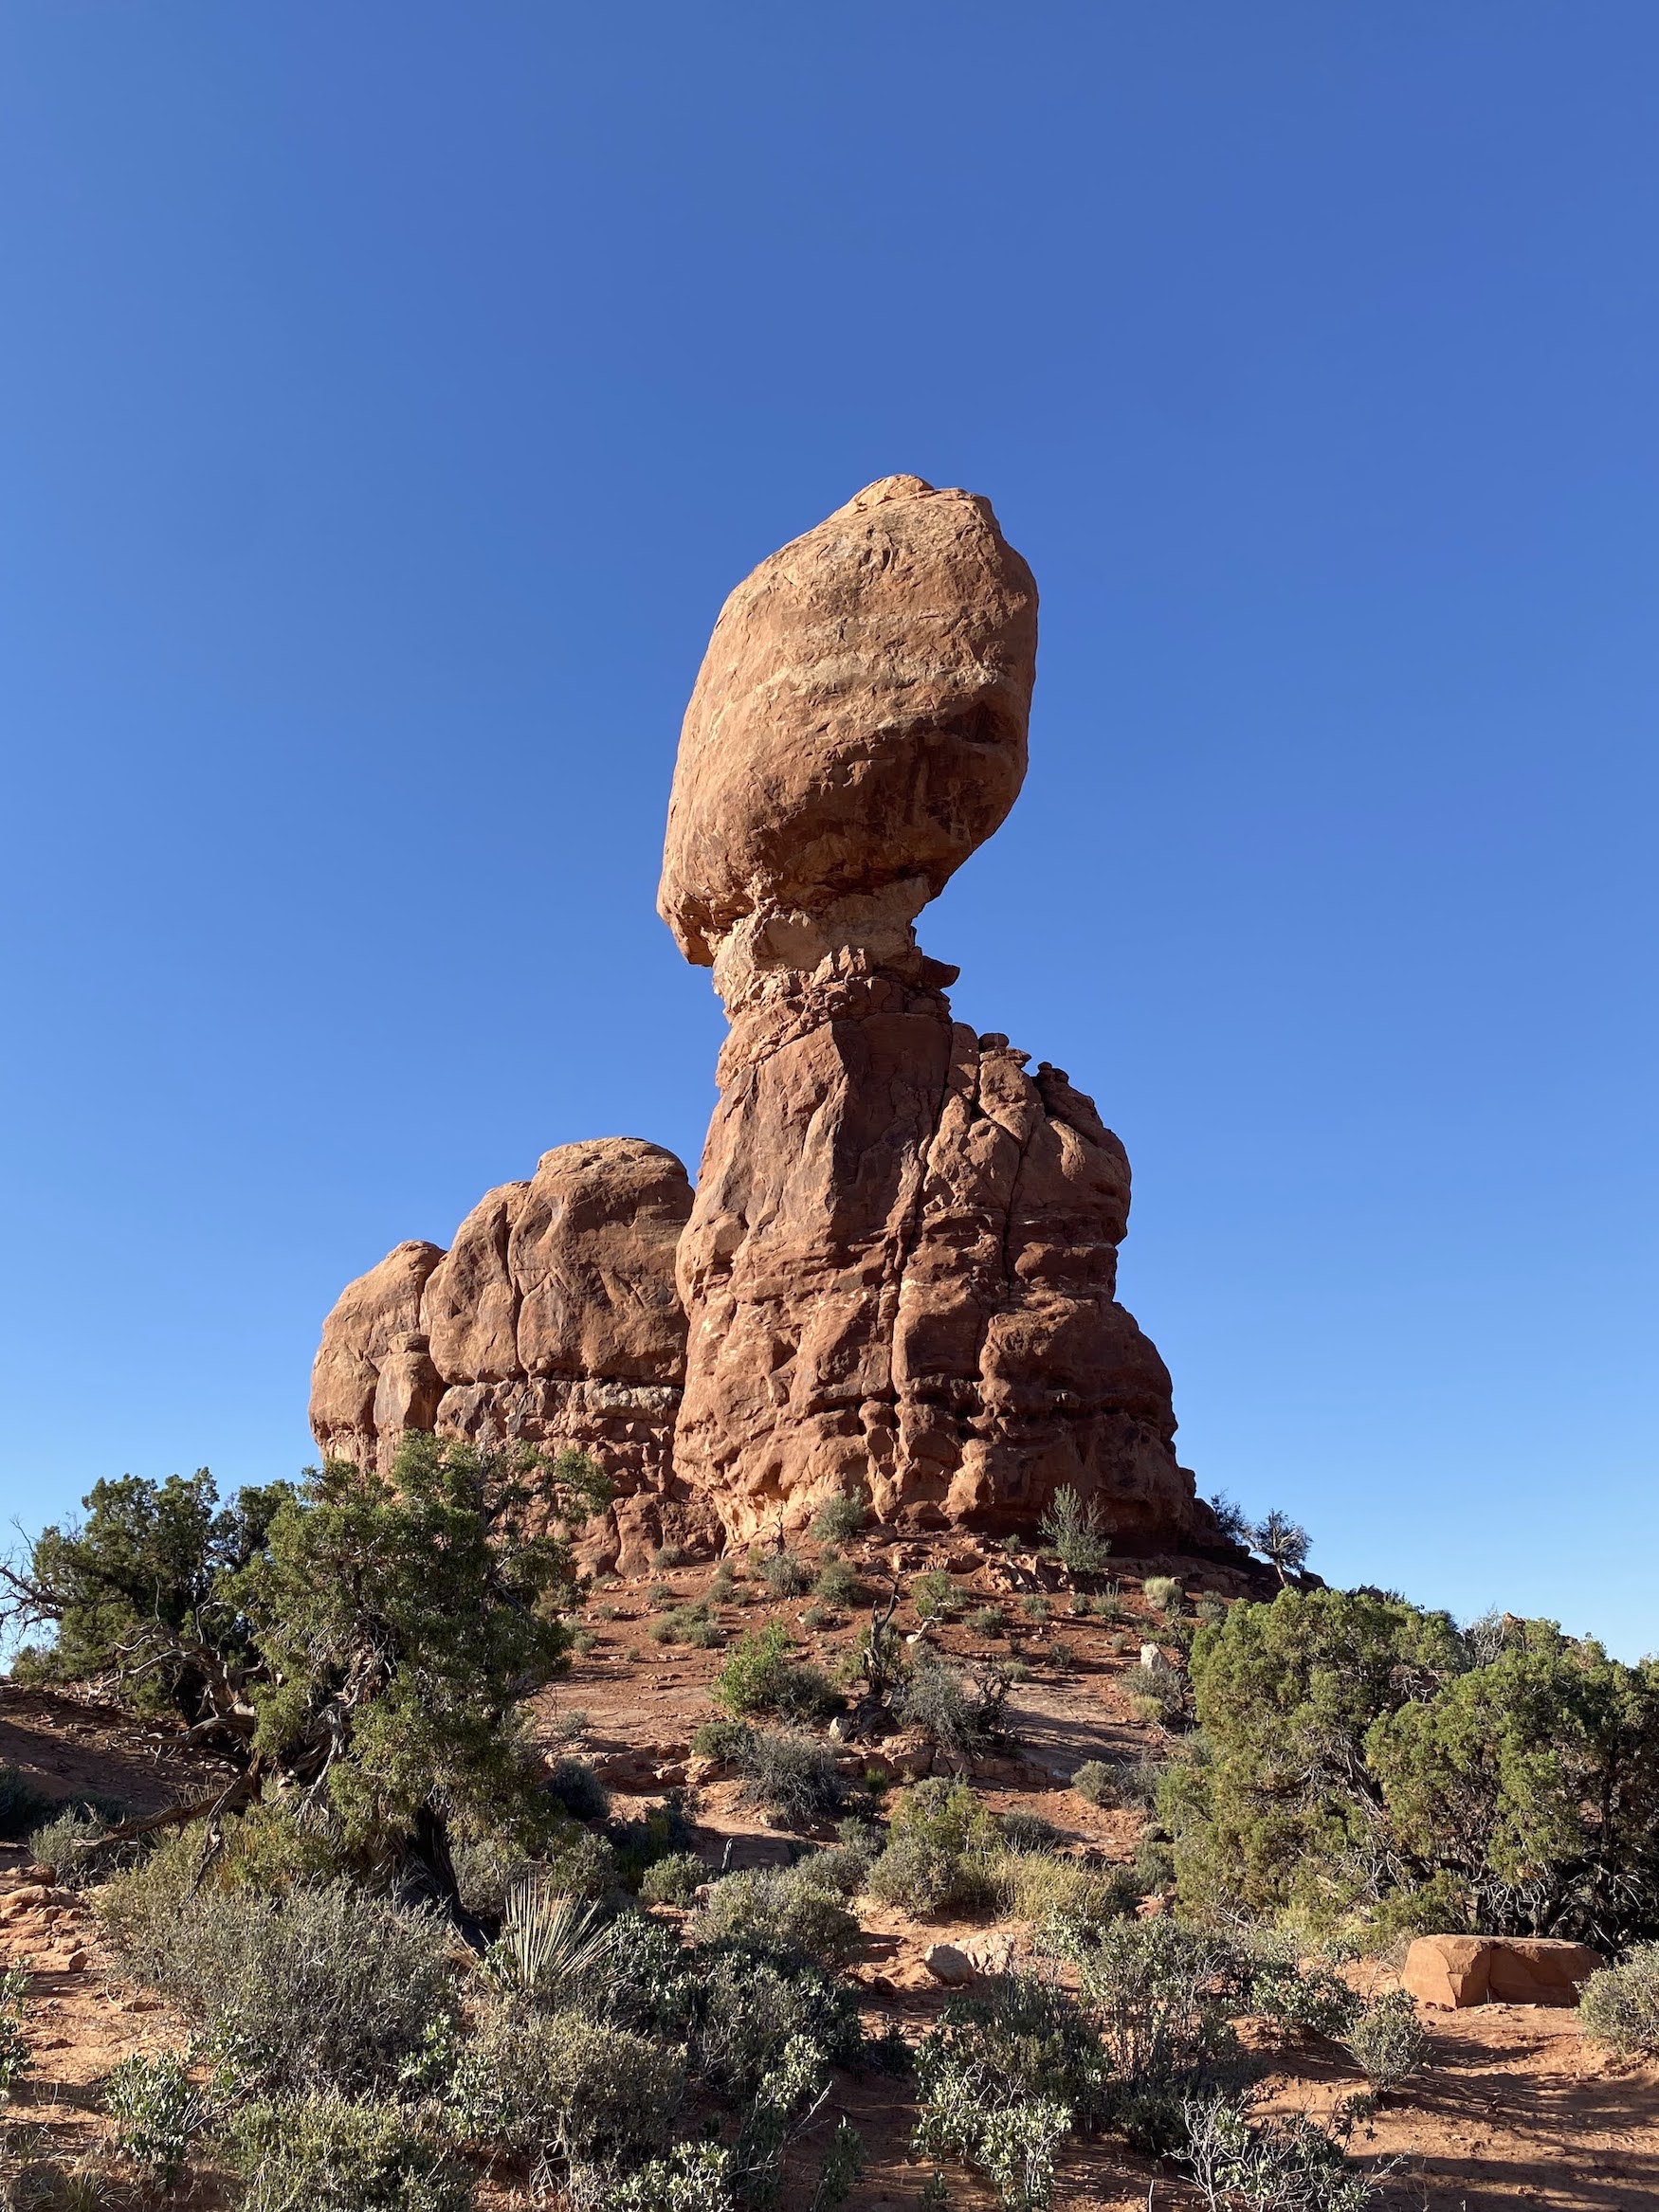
x=857 y=727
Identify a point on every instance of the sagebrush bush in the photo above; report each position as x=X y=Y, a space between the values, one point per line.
x=1096 y=1782
x=1002 y=2079
x=487 y=1868
x=837 y=1584
x=935 y=1596
x=1619 y=2005
x=745 y=2008
x=582 y=1863
x=790 y=1775
x=328 y=1987
x=724 y=1740
x=672 y=1880
x=784 y=1574
x=574 y=1788
x=1074 y=1532
x=940 y=1844
x=839 y=1519
x=959 y=1718
x=761 y=1676
x=1278 y=2165
x=159 y=2110
x=1024 y=1831
x=787 y=1910
x=669 y=1555
x=70 y=1845
x=567 y=2089
x=325 y=2152
x=14 y=2051
x=1162 y=1996
x=1163 y=1592
x=1387 y=2040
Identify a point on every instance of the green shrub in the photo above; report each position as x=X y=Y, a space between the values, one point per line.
x=582 y=1863
x=1387 y=2040
x=1162 y=1996
x=325 y=2152
x=843 y=1867
x=1037 y=1606
x=672 y=1880
x=487 y=1868
x=759 y=1677
x=783 y=1910
x=1163 y=1592
x=1279 y=2166
x=325 y=1987
x=1619 y=2005
x=784 y=1574
x=790 y=1775
x=839 y=1519
x=159 y=2110
x=838 y=1583
x=1311 y=2000
x=70 y=1846
x=1074 y=1533
x=724 y=1740
x=669 y=1555
x=935 y=1597
x=694 y=2177
x=574 y=1788
x=692 y=1623
x=1002 y=2079
x=940 y=1843
x=14 y=2052
x=745 y=2008
x=987 y=1621
x=567 y=2089
x=1357 y=1749
x=1096 y=1783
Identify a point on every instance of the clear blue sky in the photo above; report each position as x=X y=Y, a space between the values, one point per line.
x=389 y=394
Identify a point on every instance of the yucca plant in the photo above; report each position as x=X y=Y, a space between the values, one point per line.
x=546 y=1944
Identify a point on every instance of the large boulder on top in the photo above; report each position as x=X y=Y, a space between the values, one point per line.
x=857 y=728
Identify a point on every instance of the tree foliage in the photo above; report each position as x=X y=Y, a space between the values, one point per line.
x=1357 y=1753
x=366 y=1642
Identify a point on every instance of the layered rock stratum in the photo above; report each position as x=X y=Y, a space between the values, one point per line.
x=898 y=1274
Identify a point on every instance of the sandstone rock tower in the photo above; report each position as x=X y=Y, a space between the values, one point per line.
x=898 y=1272
x=900 y=1267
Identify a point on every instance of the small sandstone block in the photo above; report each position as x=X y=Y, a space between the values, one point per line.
x=1451 y=1971
x=949 y=1965
x=1540 y=1970
x=1458 y=1970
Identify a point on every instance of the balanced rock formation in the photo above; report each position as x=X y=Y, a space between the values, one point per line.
x=898 y=1273
x=552 y=1318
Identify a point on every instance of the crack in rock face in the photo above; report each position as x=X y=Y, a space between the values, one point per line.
x=896 y=1276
